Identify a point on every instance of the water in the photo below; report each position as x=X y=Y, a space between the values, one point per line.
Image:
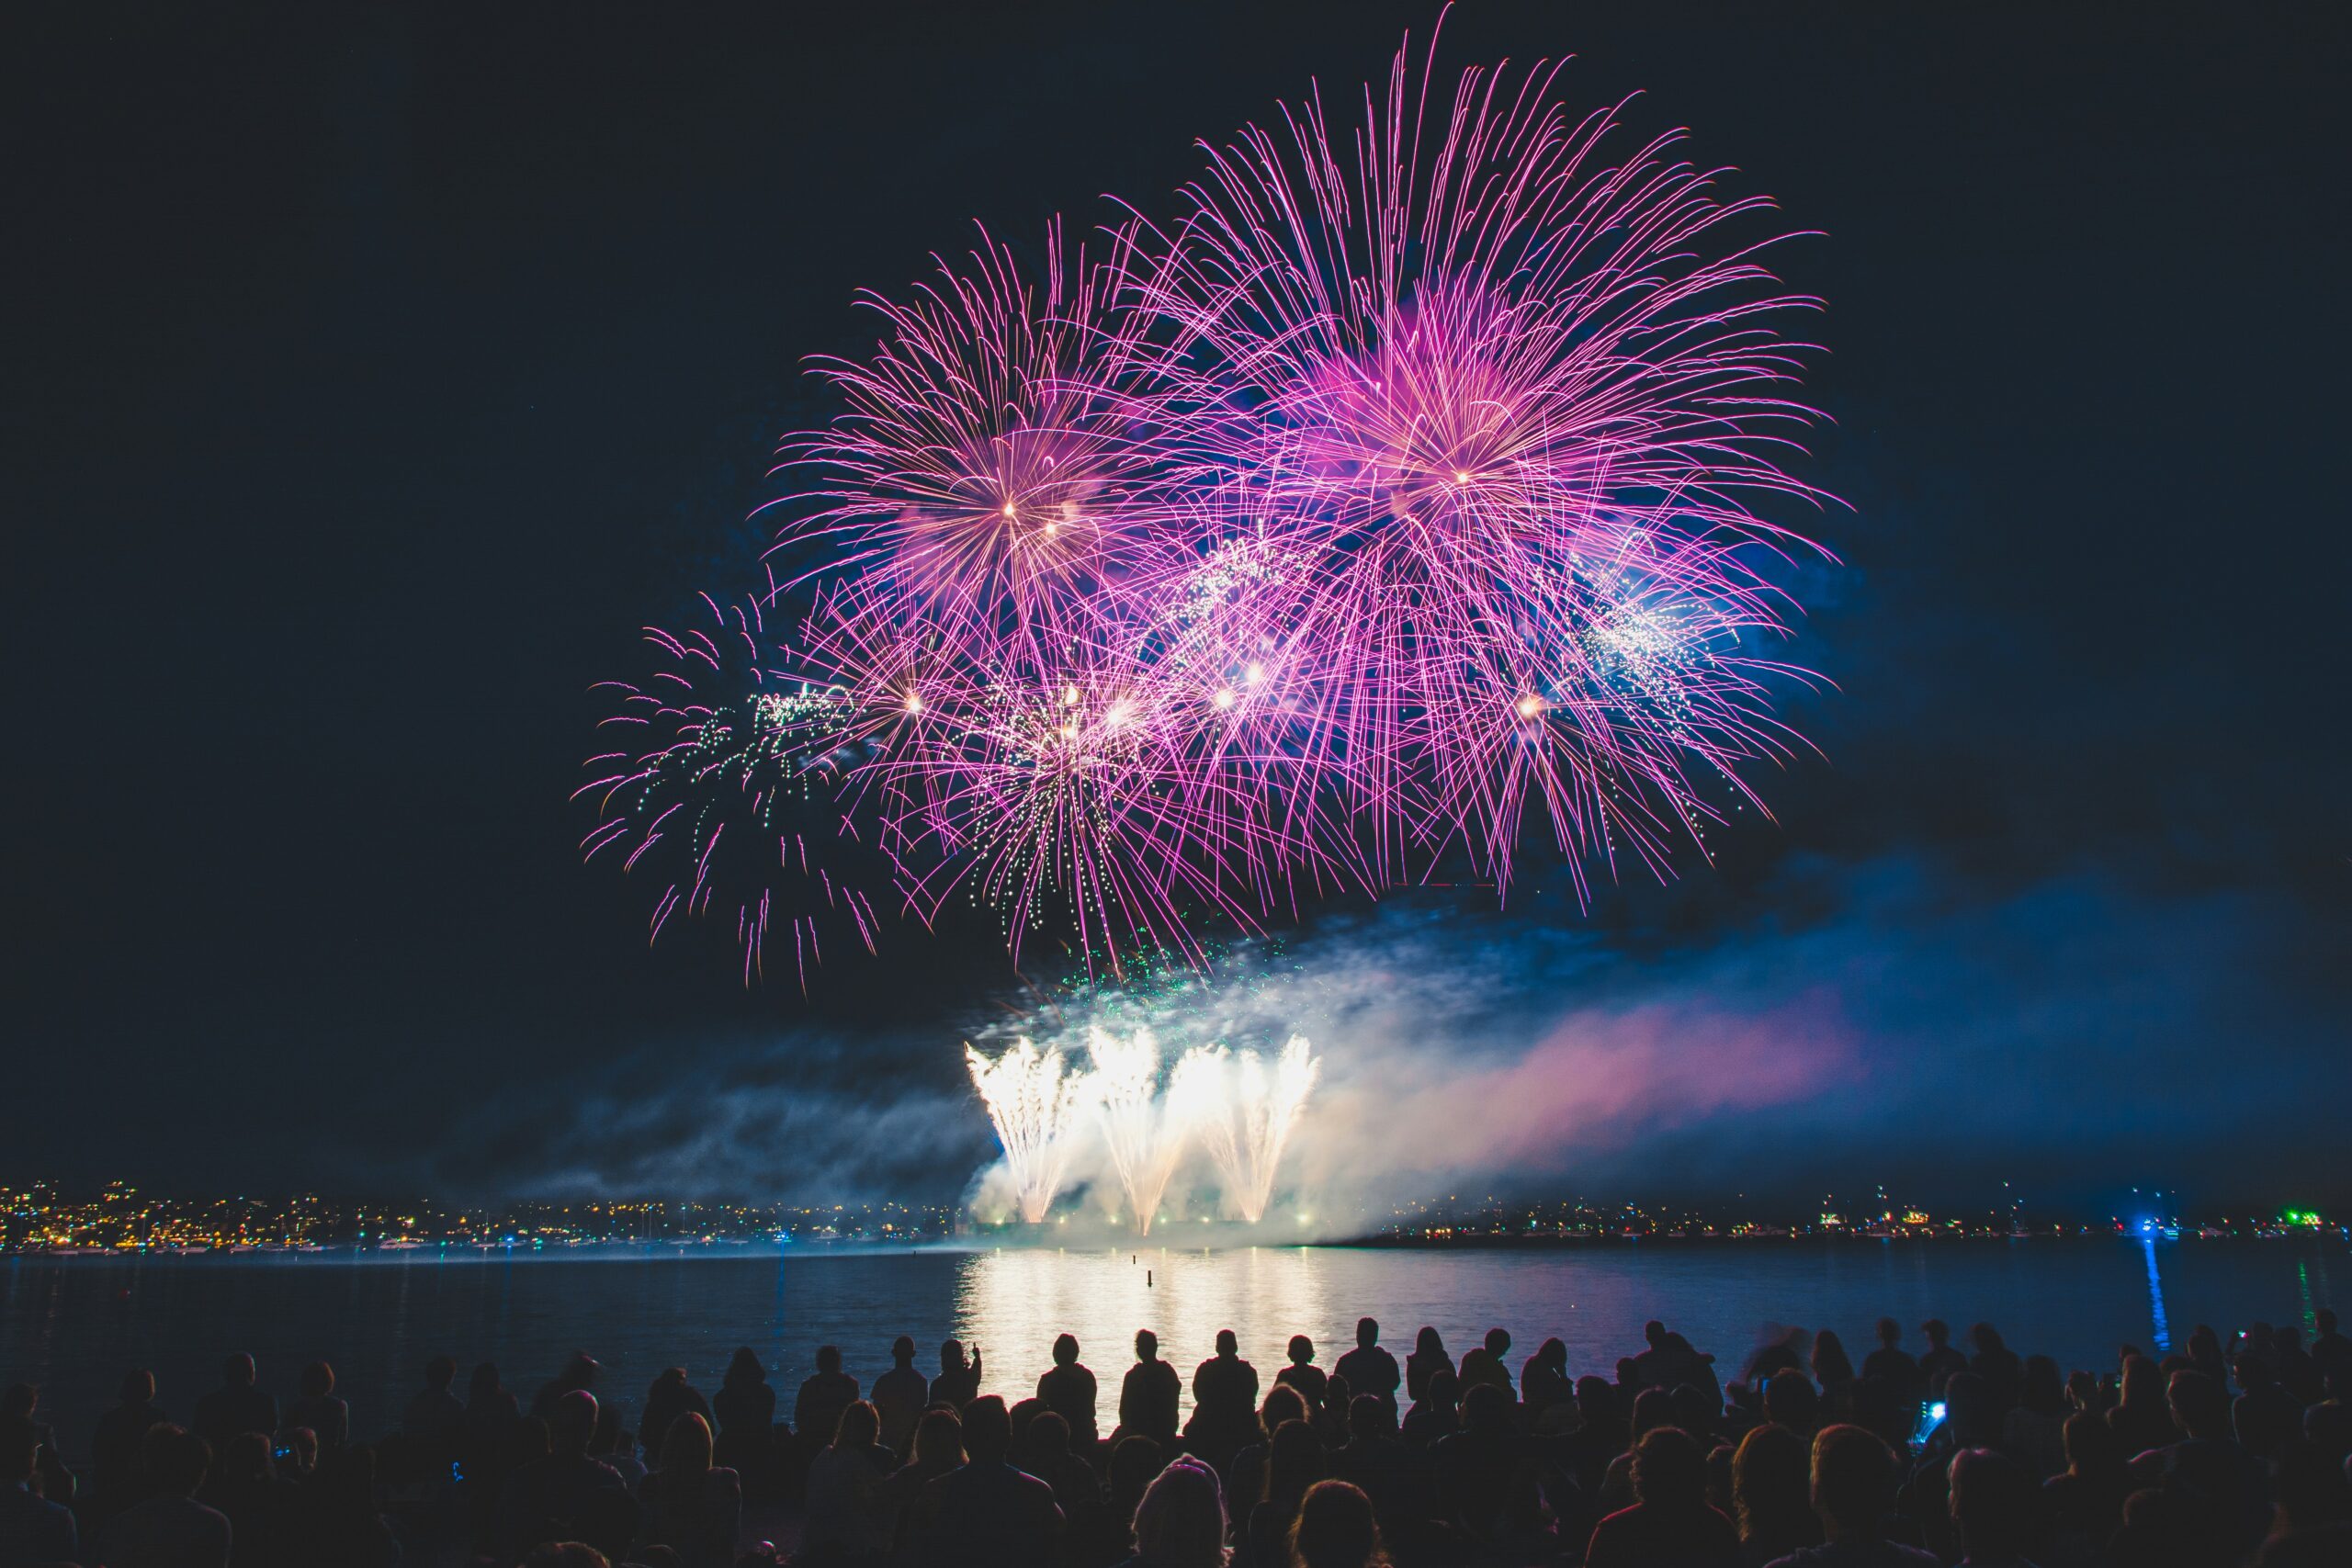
x=73 y=1326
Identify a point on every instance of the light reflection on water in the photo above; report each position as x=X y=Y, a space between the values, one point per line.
x=1014 y=1300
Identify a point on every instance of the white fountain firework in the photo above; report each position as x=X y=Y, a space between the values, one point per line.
x=1146 y=1130
x=1036 y=1107
x=1246 y=1113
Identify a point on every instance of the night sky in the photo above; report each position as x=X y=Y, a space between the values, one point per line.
x=373 y=374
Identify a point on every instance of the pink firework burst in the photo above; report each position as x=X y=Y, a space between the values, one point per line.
x=1496 y=395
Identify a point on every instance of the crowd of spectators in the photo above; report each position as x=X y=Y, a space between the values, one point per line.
x=2209 y=1457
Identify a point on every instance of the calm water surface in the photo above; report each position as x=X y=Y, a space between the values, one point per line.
x=73 y=1326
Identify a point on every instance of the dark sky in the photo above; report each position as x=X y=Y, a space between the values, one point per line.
x=373 y=373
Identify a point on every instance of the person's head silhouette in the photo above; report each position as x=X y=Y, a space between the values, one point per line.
x=1180 y=1521
x=1992 y=1502
x=1669 y=1471
x=440 y=1372
x=1367 y=1332
x=1889 y=1333
x=176 y=1459
x=1655 y=1331
x=1302 y=1351
x=828 y=1359
x=1497 y=1343
x=1065 y=1350
x=571 y=1423
x=1854 y=1478
x=1226 y=1345
x=1146 y=1344
x=987 y=1430
x=237 y=1372
x=138 y=1386
x=902 y=1350
x=1335 y=1529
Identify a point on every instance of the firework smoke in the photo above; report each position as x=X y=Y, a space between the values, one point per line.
x=1246 y=1113
x=1145 y=1130
x=1036 y=1107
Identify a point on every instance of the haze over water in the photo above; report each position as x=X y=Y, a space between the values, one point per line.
x=75 y=1326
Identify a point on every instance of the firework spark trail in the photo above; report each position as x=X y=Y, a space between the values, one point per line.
x=727 y=785
x=1146 y=1130
x=1246 y=1113
x=1036 y=1107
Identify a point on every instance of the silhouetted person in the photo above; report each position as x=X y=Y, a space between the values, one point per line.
x=1833 y=1371
x=1669 y=1524
x=850 y=1514
x=744 y=1408
x=1369 y=1368
x=958 y=1383
x=316 y=1407
x=1854 y=1478
x=1149 y=1395
x=1295 y=1461
x=2330 y=1350
x=564 y=1494
x=1045 y=1453
x=1485 y=1365
x=1477 y=1467
x=1544 y=1381
x=1373 y=1461
x=1895 y=1369
x=2034 y=1428
x=170 y=1529
x=2266 y=1414
x=243 y=1482
x=234 y=1407
x=1303 y=1374
x=1433 y=1416
x=579 y=1374
x=900 y=1395
x=2141 y=1419
x=1789 y=1399
x=938 y=1447
x=1246 y=1475
x=1225 y=1403
x=1769 y=1490
x=1067 y=1389
x=2229 y=1488
x=1427 y=1358
x=32 y=1529
x=433 y=1411
x=2085 y=1502
x=1994 y=1508
x=1336 y=1527
x=669 y=1396
x=1942 y=1359
x=824 y=1395
x=1995 y=1365
x=1180 y=1523
x=692 y=1505
x=989 y=1513
x=115 y=1441
x=2314 y=1521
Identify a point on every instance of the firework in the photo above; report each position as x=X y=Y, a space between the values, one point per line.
x=1146 y=1130
x=726 y=791
x=1479 y=390
x=1246 y=1112
x=1394 y=505
x=1036 y=1107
